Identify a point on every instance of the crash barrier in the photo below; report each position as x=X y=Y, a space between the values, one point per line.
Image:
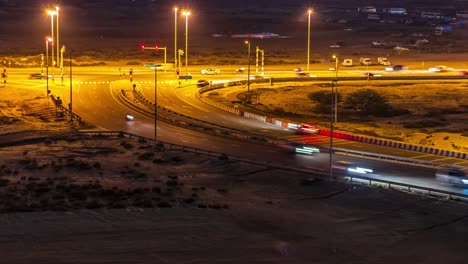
x=190 y=123
x=223 y=107
x=395 y=144
x=324 y=175
x=59 y=106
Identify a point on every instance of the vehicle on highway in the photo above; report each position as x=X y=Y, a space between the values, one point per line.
x=129 y=117
x=240 y=70
x=202 y=83
x=368 y=74
x=307 y=129
x=439 y=68
x=300 y=148
x=453 y=176
x=298 y=69
x=397 y=67
x=37 y=76
x=210 y=71
x=349 y=167
x=302 y=74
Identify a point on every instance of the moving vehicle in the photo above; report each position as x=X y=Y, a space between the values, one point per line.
x=210 y=71
x=383 y=61
x=302 y=74
x=202 y=83
x=367 y=74
x=240 y=70
x=349 y=167
x=300 y=148
x=365 y=61
x=129 y=117
x=452 y=175
x=397 y=67
x=307 y=129
x=439 y=68
x=347 y=62
x=37 y=76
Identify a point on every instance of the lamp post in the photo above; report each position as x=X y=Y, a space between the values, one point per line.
x=175 y=37
x=248 y=71
x=58 y=43
x=52 y=13
x=71 y=88
x=155 y=103
x=308 y=39
x=48 y=39
x=336 y=87
x=186 y=14
x=331 y=127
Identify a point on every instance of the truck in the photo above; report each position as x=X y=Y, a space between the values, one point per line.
x=383 y=61
x=347 y=62
x=365 y=61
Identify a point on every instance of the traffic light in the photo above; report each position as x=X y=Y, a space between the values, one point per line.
x=156 y=46
x=142 y=46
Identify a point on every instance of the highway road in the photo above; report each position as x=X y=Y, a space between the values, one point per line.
x=94 y=93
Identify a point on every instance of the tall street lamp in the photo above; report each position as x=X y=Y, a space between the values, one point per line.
x=336 y=87
x=175 y=36
x=248 y=71
x=48 y=39
x=331 y=126
x=186 y=14
x=52 y=13
x=308 y=40
x=58 y=43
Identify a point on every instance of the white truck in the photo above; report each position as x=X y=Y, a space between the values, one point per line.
x=383 y=61
x=365 y=61
x=347 y=62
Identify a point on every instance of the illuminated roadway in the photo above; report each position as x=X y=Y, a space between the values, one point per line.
x=94 y=100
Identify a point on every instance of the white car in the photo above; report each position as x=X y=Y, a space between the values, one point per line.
x=440 y=68
x=210 y=71
x=349 y=167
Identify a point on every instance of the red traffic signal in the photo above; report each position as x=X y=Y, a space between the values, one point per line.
x=142 y=46
x=156 y=46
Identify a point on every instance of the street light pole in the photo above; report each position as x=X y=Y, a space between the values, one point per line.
x=186 y=14
x=248 y=71
x=71 y=89
x=155 y=104
x=308 y=40
x=175 y=37
x=331 y=128
x=52 y=13
x=336 y=88
x=48 y=39
x=58 y=43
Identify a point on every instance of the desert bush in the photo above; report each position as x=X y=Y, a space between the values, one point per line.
x=171 y=182
x=146 y=156
x=126 y=145
x=177 y=159
x=133 y=63
x=97 y=165
x=323 y=101
x=423 y=124
x=368 y=102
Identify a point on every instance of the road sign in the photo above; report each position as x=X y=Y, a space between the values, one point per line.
x=185 y=77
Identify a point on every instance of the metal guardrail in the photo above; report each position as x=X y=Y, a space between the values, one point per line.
x=319 y=173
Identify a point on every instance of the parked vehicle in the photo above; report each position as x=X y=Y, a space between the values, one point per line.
x=347 y=62
x=383 y=61
x=365 y=61
x=210 y=71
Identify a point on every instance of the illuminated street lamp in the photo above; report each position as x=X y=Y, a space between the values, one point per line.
x=308 y=39
x=186 y=14
x=175 y=37
x=58 y=43
x=336 y=87
x=248 y=71
x=52 y=13
x=48 y=39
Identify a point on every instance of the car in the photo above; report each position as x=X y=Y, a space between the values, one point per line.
x=202 y=83
x=300 y=148
x=439 y=68
x=367 y=74
x=452 y=175
x=210 y=71
x=37 y=76
x=298 y=69
x=397 y=67
x=302 y=74
x=349 y=167
x=129 y=117
x=307 y=129
x=464 y=73
x=240 y=70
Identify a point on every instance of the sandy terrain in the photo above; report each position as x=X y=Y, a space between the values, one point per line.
x=116 y=200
